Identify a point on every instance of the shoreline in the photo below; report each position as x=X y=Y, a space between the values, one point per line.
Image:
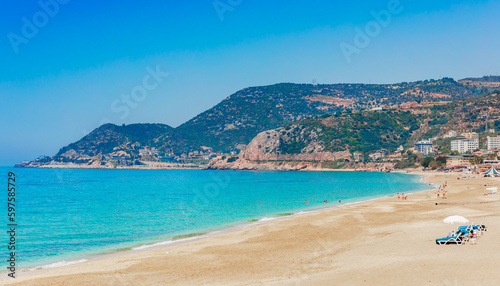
x=404 y=171
x=172 y=254
x=212 y=233
x=209 y=234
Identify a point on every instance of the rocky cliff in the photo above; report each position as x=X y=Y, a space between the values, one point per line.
x=292 y=144
x=292 y=148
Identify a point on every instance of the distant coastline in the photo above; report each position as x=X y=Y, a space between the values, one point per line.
x=333 y=127
x=287 y=166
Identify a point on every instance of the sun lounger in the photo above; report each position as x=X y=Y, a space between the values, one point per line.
x=479 y=227
x=460 y=238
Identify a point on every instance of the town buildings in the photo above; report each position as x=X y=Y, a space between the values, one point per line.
x=456 y=161
x=424 y=146
x=465 y=145
x=450 y=134
x=358 y=157
x=493 y=143
x=470 y=135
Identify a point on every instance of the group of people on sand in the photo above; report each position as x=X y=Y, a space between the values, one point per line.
x=402 y=196
x=441 y=192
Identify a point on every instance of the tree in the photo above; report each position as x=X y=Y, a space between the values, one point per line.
x=477 y=160
x=435 y=164
x=492 y=156
x=441 y=160
x=425 y=162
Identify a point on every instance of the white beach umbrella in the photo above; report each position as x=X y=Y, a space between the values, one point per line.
x=455 y=219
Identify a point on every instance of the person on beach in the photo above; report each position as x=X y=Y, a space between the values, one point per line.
x=340 y=200
x=398 y=196
x=403 y=196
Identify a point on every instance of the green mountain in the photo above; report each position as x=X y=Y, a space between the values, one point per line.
x=368 y=131
x=361 y=131
x=236 y=120
x=110 y=138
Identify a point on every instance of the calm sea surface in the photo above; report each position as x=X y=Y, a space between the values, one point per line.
x=66 y=214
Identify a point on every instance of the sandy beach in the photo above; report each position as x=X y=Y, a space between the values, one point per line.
x=381 y=242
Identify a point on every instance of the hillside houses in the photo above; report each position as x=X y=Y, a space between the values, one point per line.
x=425 y=147
x=463 y=146
x=493 y=143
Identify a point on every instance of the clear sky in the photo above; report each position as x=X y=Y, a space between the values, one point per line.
x=68 y=66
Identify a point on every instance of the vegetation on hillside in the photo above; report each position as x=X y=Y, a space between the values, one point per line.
x=339 y=110
x=368 y=131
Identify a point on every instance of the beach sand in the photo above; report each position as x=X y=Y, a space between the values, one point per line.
x=381 y=242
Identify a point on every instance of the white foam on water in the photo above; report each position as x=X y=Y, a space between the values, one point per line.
x=153 y=245
x=267 y=219
x=63 y=263
x=163 y=243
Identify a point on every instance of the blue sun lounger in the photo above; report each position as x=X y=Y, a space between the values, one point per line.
x=472 y=227
x=460 y=238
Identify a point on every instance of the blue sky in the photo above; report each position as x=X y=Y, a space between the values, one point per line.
x=69 y=66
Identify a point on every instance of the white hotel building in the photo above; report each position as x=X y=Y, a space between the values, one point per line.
x=493 y=143
x=465 y=145
x=424 y=146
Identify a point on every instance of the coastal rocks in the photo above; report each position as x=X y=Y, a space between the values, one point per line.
x=233 y=163
x=375 y=167
x=28 y=164
x=270 y=146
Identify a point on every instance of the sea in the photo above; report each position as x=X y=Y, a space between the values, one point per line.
x=66 y=216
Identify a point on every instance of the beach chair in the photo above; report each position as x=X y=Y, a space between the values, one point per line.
x=479 y=227
x=460 y=238
x=468 y=227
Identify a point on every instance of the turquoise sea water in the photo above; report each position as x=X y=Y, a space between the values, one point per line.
x=67 y=214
